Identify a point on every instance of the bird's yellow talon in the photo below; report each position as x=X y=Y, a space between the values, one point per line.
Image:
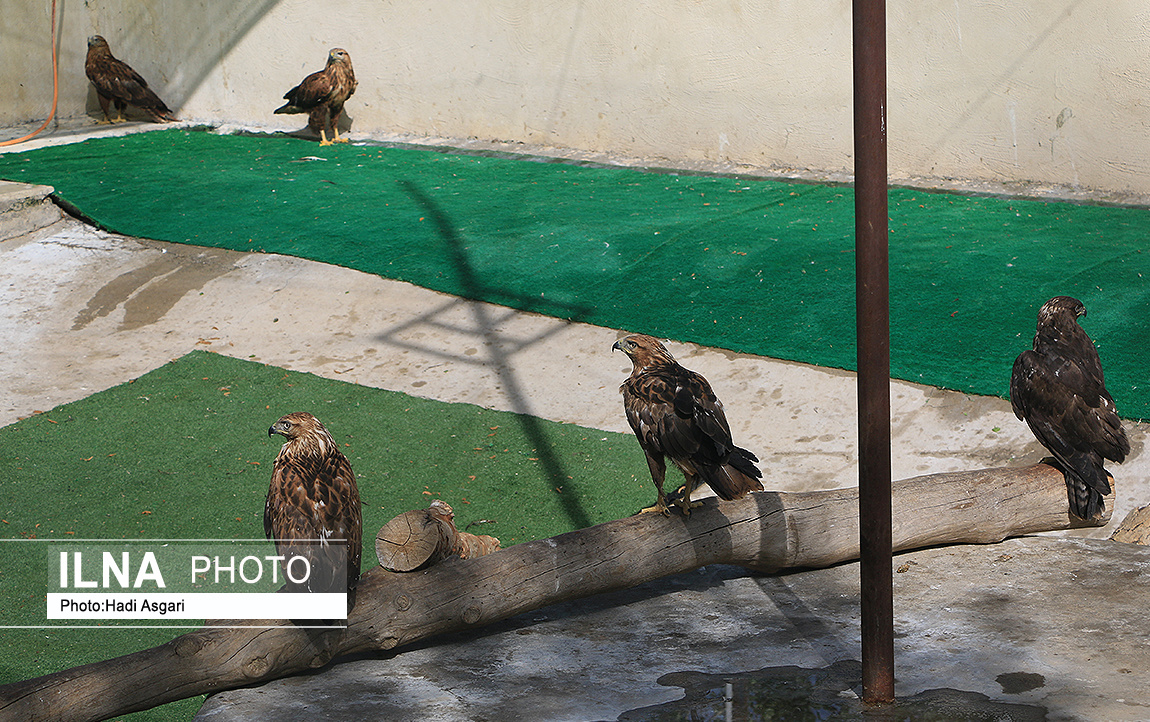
x=661 y=508
x=687 y=507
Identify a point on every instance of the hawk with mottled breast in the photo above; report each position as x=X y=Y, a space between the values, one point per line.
x=312 y=501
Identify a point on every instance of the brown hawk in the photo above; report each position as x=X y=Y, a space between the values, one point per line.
x=676 y=415
x=1058 y=390
x=322 y=94
x=117 y=83
x=313 y=497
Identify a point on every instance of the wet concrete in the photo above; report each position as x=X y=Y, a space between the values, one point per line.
x=798 y=693
x=1033 y=628
x=148 y=293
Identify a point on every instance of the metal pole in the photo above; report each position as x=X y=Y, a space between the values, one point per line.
x=873 y=329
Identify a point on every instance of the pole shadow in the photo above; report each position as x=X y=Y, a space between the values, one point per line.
x=500 y=348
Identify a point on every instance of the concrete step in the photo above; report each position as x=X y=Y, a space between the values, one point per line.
x=25 y=208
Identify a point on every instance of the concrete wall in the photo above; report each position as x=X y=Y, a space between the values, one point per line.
x=1048 y=91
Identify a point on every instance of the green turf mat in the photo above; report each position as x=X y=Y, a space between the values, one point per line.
x=757 y=266
x=183 y=453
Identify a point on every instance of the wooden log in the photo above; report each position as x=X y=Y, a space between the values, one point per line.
x=765 y=531
x=1135 y=528
x=423 y=537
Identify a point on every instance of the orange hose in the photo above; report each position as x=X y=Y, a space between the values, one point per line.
x=55 y=88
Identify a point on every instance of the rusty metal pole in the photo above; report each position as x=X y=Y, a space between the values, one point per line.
x=873 y=329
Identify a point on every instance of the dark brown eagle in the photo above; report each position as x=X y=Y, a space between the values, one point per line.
x=675 y=414
x=313 y=496
x=1058 y=390
x=322 y=94
x=117 y=83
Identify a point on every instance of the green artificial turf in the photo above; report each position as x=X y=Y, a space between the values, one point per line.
x=183 y=453
x=756 y=266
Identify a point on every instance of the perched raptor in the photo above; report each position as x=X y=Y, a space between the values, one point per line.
x=1058 y=390
x=117 y=83
x=322 y=94
x=313 y=496
x=676 y=415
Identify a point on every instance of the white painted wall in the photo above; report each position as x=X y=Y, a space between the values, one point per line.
x=1048 y=91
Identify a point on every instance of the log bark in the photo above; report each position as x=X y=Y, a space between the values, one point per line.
x=1135 y=528
x=764 y=531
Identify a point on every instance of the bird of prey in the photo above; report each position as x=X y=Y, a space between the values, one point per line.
x=1058 y=390
x=313 y=496
x=322 y=94
x=116 y=82
x=676 y=415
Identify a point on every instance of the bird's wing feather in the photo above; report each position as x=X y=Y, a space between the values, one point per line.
x=679 y=415
x=1021 y=379
x=315 y=90
x=116 y=79
x=1069 y=410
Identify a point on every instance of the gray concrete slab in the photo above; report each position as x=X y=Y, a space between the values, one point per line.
x=25 y=209
x=85 y=310
x=1033 y=628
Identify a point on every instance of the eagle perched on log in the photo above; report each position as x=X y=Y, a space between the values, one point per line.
x=675 y=414
x=313 y=496
x=322 y=94
x=116 y=82
x=1058 y=390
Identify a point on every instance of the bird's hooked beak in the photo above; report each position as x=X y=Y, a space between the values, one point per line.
x=280 y=428
x=616 y=347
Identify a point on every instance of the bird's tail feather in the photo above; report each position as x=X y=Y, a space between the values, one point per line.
x=736 y=477
x=1086 y=498
x=1085 y=503
x=1086 y=483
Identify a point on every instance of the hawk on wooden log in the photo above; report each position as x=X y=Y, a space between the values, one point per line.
x=313 y=497
x=322 y=94
x=676 y=415
x=1058 y=390
x=117 y=83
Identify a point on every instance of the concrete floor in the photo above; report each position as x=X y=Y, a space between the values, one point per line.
x=1030 y=629
x=85 y=310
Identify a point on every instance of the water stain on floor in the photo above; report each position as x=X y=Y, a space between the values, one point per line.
x=150 y=291
x=813 y=695
x=1019 y=682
